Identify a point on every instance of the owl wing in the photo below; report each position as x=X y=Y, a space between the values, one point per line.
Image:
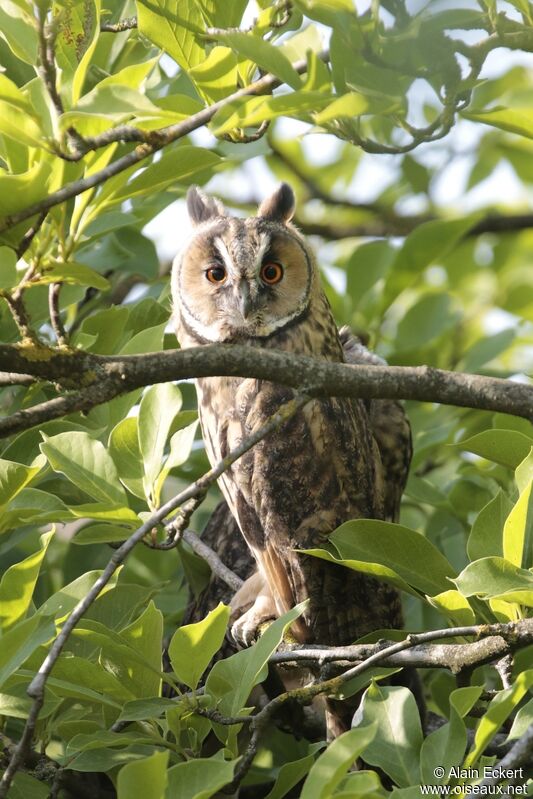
x=390 y=428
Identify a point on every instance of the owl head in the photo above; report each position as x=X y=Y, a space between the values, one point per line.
x=240 y=279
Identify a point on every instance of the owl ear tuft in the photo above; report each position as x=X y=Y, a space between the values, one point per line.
x=201 y=207
x=279 y=206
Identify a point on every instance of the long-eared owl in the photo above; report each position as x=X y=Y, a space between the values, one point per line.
x=255 y=282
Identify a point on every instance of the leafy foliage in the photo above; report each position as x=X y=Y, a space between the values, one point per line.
x=95 y=142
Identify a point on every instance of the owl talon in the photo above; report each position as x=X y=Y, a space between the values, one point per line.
x=249 y=627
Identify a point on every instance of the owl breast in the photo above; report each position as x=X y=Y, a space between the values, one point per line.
x=296 y=486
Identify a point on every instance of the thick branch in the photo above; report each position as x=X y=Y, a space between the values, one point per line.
x=105 y=377
x=454 y=657
x=378 y=226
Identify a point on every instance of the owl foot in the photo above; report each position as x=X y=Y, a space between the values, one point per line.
x=251 y=606
x=245 y=631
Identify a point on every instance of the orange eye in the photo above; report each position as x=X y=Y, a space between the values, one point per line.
x=271 y=273
x=216 y=274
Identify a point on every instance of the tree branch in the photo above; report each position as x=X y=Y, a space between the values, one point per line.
x=455 y=657
x=105 y=377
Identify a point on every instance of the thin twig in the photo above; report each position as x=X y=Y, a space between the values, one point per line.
x=37 y=686
x=504 y=667
x=126 y=24
x=46 y=68
x=20 y=317
x=212 y=559
x=55 y=314
x=30 y=234
x=12 y=379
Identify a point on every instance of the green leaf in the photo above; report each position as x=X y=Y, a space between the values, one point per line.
x=13 y=478
x=159 y=406
x=486 y=537
x=265 y=55
x=248 y=112
x=377 y=570
x=431 y=241
x=16 y=703
x=18 y=583
x=426 y=320
x=216 y=76
x=145 y=634
x=66 y=599
x=32 y=506
x=487 y=348
x=446 y=746
x=518 y=531
x=290 y=775
x=146 y=778
x=369 y=263
x=176 y=29
x=522 y=720
x=126 y=454
x=26 y=787
x=354 y=104
x=142 y=709
x=121 y=653
x=405 y=551
x=19 y=30
x=326 y=774
x=84 y=742
x=8 y=268
x=231 y=680
x=496 y=578
x=193 y=645
x=17 y=117
x=18 y=191
x=199 y=779
x=80 y=678
x=395 y=747
x=101 y=534
x=524 y=472
x=180 y=164
x=508 y=447
x=78 y=23
x=108 y=759
x=454 y=606
x=72 y=274
x=180 y=449
x=497 y=712
x=513 y=120
x=18 y=643
x=87 y=464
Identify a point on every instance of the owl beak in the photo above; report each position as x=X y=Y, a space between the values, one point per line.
x=246 y=304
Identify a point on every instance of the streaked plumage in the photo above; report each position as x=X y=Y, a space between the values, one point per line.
x=338 y=459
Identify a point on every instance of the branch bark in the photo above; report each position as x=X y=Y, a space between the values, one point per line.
x=455 y=657
x=105 y=377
